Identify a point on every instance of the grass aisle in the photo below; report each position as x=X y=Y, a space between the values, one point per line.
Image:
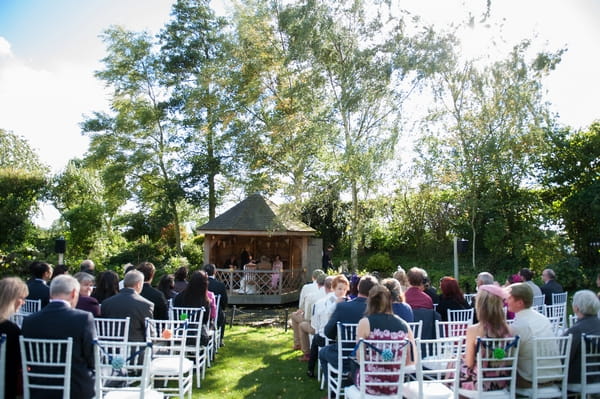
x=258 y=363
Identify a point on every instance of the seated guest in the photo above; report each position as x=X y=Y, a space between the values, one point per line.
x=430 y=290
x=585 y=306
x=400 y=275
x=380 y=323
x=180 y=277
x=415 y=296
x=306 y=328
x=196 y=295
x=59 y=270
x=452 y=297
x=527 y=276
x=217 y=288
x=151 y=293
x=41 y=273
x=87 y=302
x=400 y=308
x=129 y=303
x=13 y=292
x=492 y=324
x=551 y=286
x=60 y=320
x=527 y=325
x=166 y=285
x=87 y=266
x=297 y=317
x=107 y=285
x=126 y=269
x=320 y=315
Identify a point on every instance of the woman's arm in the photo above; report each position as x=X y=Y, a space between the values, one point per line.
x=471 y=345
x=363 y=329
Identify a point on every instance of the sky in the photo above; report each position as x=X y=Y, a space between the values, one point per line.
x=49 y=50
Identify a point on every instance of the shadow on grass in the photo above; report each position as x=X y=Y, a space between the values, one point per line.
x=258 y=363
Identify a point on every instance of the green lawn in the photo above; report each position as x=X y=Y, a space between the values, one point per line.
x=257 y=363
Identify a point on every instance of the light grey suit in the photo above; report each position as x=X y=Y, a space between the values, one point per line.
x=128 y=303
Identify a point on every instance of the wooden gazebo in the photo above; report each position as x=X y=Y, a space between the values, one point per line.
x=257 y=227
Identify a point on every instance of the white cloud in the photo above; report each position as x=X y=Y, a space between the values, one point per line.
x=4 y=47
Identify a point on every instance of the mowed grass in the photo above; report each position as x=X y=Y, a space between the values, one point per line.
x=258 y=362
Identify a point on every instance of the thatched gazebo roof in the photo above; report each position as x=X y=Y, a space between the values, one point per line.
x=256 y=216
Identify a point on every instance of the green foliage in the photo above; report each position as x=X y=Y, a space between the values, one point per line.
x=381 y=263
x=573 y=276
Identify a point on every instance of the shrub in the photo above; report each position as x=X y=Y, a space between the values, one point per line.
x=381 y=263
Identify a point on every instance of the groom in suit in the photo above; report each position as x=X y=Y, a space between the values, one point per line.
x=345 y=312
x=41 y=272
x=60 y=320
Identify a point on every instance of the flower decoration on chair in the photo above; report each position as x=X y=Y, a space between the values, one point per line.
x=117 y=362
x=499 y=353
x=387 y=355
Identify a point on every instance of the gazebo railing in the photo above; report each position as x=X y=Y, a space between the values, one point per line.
x=260 y=282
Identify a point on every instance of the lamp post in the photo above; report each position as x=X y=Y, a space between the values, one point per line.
x=60 y=247
x=460 y=247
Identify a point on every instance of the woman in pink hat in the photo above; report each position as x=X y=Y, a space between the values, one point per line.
x=492 y=324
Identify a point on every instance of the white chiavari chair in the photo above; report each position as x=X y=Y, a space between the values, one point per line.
x=108 y=329
x=346 y=338
x=193 y=349
x=589 y=382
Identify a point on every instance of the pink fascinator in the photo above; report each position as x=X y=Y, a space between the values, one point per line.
x=494 y=290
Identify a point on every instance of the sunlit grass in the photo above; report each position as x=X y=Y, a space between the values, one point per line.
x=258 y=363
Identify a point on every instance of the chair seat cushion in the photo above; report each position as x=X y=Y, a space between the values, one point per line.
x=133 y=394
x=353 y=392
x=431 y=390
x=169 y=366
x=497 y=394
x=552 y=391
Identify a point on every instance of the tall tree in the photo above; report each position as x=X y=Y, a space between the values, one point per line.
x=492 y=120
x=361 y=57
x=139 y=140
x=195 y=50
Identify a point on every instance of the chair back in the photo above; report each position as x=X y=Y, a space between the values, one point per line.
x=416 y=327
x=437 y=367
x=469 y=298
x=451 y=329
x=428 y=317
x=572 y=320
x=193 y=316
x=346 y=338
x=2 y=364
x=168 y=337
x=559 y=298
x=464 y=315
x=550 y=363
x=497 y=364
x=112 y=329
x=46 y=365
x=381 y=368
x=122 y=368
x=538 y=303
x=17 y=318
x=590 y=366
x=31 y=306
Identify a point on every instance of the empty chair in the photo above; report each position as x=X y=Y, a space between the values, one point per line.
x=31 y=306
x=193 y=349
x=464 y=315
x=437 y=369
x=46 y=365
x=557 y=311
x=550 y=364
x=112 y=329
x=559 y=298
x=449 y=329
x=381 y=369
x=590 y=367
x=496 y=369
x=169 y=363
x=122 y=370
x=346 y=339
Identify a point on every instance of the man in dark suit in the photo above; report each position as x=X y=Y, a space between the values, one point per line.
x=217 y=288
x=551 y=286
x=151 y=293
x=41 y=272
x=129 y=303
x=345 y=312
x=60 y=320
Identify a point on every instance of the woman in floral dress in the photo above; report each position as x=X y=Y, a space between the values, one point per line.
x=380 y=323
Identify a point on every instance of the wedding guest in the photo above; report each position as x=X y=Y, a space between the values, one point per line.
x=41 y=273
x=196 y=295
x=492 y=324
x=380 y=323
x=87 y=266
x=277 y=268
x=126 y=269
x=151 y=293
x=585 y=306
x=106 y=286
x=60 y=320
x=13 y=292
x=166 y=285
x=415 y=296
x=527 y=279
x=400 y=275
x=452 y=297
x=59 y=270
x=180 y=279
x=551 y=286
x=86 y=301
x=400 y=308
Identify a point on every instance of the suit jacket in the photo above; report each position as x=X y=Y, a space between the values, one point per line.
x=158 y=299
x=345 y=312
x=127 y=303
x=59 y=321
x=38 y=290
x=218 y=288
x=587 y=325
x=551 y=287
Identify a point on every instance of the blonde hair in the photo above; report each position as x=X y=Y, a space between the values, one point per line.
x=11 y=289
x=490 y=313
